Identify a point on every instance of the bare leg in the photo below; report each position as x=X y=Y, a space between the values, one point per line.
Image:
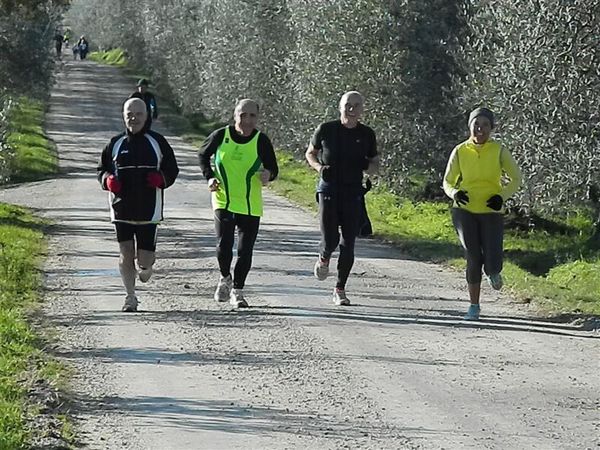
x=474 y=291
x=127 y=266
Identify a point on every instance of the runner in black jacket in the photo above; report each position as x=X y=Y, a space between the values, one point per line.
x=341 y=151
x=135 y=167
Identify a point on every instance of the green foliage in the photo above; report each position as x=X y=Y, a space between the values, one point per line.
x=33 y=156
x=422 y=67
x=115 y=57
x=537 y=67
x=548 y=262
x=296 y=181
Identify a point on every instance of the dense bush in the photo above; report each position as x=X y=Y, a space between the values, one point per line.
x=538 y=66
x=421 y=65
x=26 y=31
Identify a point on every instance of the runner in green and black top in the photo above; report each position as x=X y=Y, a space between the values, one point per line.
x=341 y=151
x=244 y=162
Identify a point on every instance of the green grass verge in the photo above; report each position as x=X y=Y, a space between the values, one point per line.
x=551 y=265
x=21 y=360
x=34 y=155
x=115 y=57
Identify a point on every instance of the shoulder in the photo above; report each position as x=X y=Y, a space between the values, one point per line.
x=156 y=136
x=116 y=138
x=463 y=145
x=113 y=141
x=219 y=133
x=263 y=139
x=366 y=130
x=328 y=127
x=495 y=144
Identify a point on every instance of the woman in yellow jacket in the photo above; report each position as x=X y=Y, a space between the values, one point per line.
x=473 y=179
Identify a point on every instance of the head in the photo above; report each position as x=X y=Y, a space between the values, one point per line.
x=351 y=108
x=142 y=85
x=245 y=116
x=481 y=124
x=134 y=115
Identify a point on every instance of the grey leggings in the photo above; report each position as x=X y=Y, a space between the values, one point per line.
x=481 y=235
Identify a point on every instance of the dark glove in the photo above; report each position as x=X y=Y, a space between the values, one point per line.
x=461 y=198
x=495 y=202
x=365 y=164
x=113 y=185
x=368 y=185
x=326 y=173
x=155 y=180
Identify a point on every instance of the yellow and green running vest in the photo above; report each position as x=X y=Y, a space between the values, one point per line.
x=236 y=167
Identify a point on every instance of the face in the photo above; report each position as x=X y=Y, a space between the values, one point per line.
x=134 y=115
x=141 y=88
x=245 y=117
x=481 y=129
x=351 y=108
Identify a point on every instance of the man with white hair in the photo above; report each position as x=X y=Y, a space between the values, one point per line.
x=135 y=167
x=244 y=162
x=341 y=151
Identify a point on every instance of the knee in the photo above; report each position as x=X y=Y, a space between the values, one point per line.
x=146 y=258
x=127 y=252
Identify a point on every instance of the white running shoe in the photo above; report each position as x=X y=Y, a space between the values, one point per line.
x=145 y=274
x=321 y=268
x=236 y=299
x=223 y=288
x=495 y=281
x=131 y=304
x=339 y=297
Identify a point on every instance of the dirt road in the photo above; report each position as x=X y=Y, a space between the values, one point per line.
x=399 y=369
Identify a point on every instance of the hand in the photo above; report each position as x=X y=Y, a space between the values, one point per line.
x=113 y=185
x=213 y=184
x=155 y=180
x=461 y=198
x=326 y=173
x=366 y=163
x=495 y=202
x=265 y=176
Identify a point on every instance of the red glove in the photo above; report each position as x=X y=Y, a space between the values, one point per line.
x=113 y=185
x=155 y=180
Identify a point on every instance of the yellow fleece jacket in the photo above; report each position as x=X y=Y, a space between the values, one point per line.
x=478 y=170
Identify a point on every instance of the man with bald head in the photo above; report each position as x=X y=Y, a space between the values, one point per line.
x=135 y=168
x=341 y=151
x=244 y=162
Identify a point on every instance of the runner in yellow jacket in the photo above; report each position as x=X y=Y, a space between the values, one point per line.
x=474 y=180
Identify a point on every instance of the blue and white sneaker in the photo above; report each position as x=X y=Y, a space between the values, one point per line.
x=495 y=281
x=473 y=312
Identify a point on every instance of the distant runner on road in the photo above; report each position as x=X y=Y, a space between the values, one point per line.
x=473 y=179
x=148 y=97
x=244 y=162
x=135 y=167
x=341 y=151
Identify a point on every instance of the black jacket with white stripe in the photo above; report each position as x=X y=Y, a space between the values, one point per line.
x=131 y=157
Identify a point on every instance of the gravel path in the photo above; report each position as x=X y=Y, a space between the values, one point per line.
x=398 y=370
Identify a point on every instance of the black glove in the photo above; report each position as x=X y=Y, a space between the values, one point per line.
x=365 y=164
x=326 y=173
x=495 y=202
x=461 y=198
